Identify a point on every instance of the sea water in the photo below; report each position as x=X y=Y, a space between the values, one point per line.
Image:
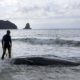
x=63 y=43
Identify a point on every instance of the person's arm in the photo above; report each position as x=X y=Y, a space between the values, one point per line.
x=10 y=41
x=3 y=41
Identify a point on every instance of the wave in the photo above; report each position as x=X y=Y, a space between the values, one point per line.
x=49 y=41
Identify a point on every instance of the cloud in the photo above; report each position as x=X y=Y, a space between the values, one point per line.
x=50 y=8
x=35 y=10
x=40 y=8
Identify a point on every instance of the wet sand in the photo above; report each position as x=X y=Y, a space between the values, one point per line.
x=27 y=72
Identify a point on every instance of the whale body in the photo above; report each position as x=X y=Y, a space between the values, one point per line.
x=41 y=61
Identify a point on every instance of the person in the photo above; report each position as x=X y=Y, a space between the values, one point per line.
x=6 y=44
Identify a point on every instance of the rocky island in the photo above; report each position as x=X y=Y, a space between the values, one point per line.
x=7 y=25
x=27 y=26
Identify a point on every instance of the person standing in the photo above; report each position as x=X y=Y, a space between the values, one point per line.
x=6 y=44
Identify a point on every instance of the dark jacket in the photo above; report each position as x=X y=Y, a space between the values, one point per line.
x=6 y=41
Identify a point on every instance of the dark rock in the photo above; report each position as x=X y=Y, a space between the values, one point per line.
x=43 y=61
x=7 y=25
x=27 y=26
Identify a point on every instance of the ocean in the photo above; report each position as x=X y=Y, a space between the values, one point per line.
x=56 y=43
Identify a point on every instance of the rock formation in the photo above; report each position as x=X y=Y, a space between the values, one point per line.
x=27 y=26
x=7 y=25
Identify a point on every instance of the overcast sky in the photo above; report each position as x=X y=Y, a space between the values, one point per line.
x=40 y=14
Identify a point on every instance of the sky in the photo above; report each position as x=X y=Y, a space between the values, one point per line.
x=41 y=14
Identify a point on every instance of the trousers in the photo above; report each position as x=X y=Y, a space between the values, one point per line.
x=4 y=52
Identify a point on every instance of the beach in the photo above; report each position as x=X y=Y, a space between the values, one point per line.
x=58 y=43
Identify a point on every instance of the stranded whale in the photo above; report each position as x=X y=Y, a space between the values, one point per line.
x=41 y=61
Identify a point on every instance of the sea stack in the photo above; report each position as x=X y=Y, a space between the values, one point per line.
x=27 y=26
x=7 y=25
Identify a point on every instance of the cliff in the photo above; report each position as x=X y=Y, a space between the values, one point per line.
x=27 y=26
x=7 y=25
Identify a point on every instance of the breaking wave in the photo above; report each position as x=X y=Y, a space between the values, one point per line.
x=49 y=41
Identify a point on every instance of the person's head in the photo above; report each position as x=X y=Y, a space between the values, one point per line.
x=8 y=32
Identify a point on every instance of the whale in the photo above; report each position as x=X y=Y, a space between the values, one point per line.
x=42 y=61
